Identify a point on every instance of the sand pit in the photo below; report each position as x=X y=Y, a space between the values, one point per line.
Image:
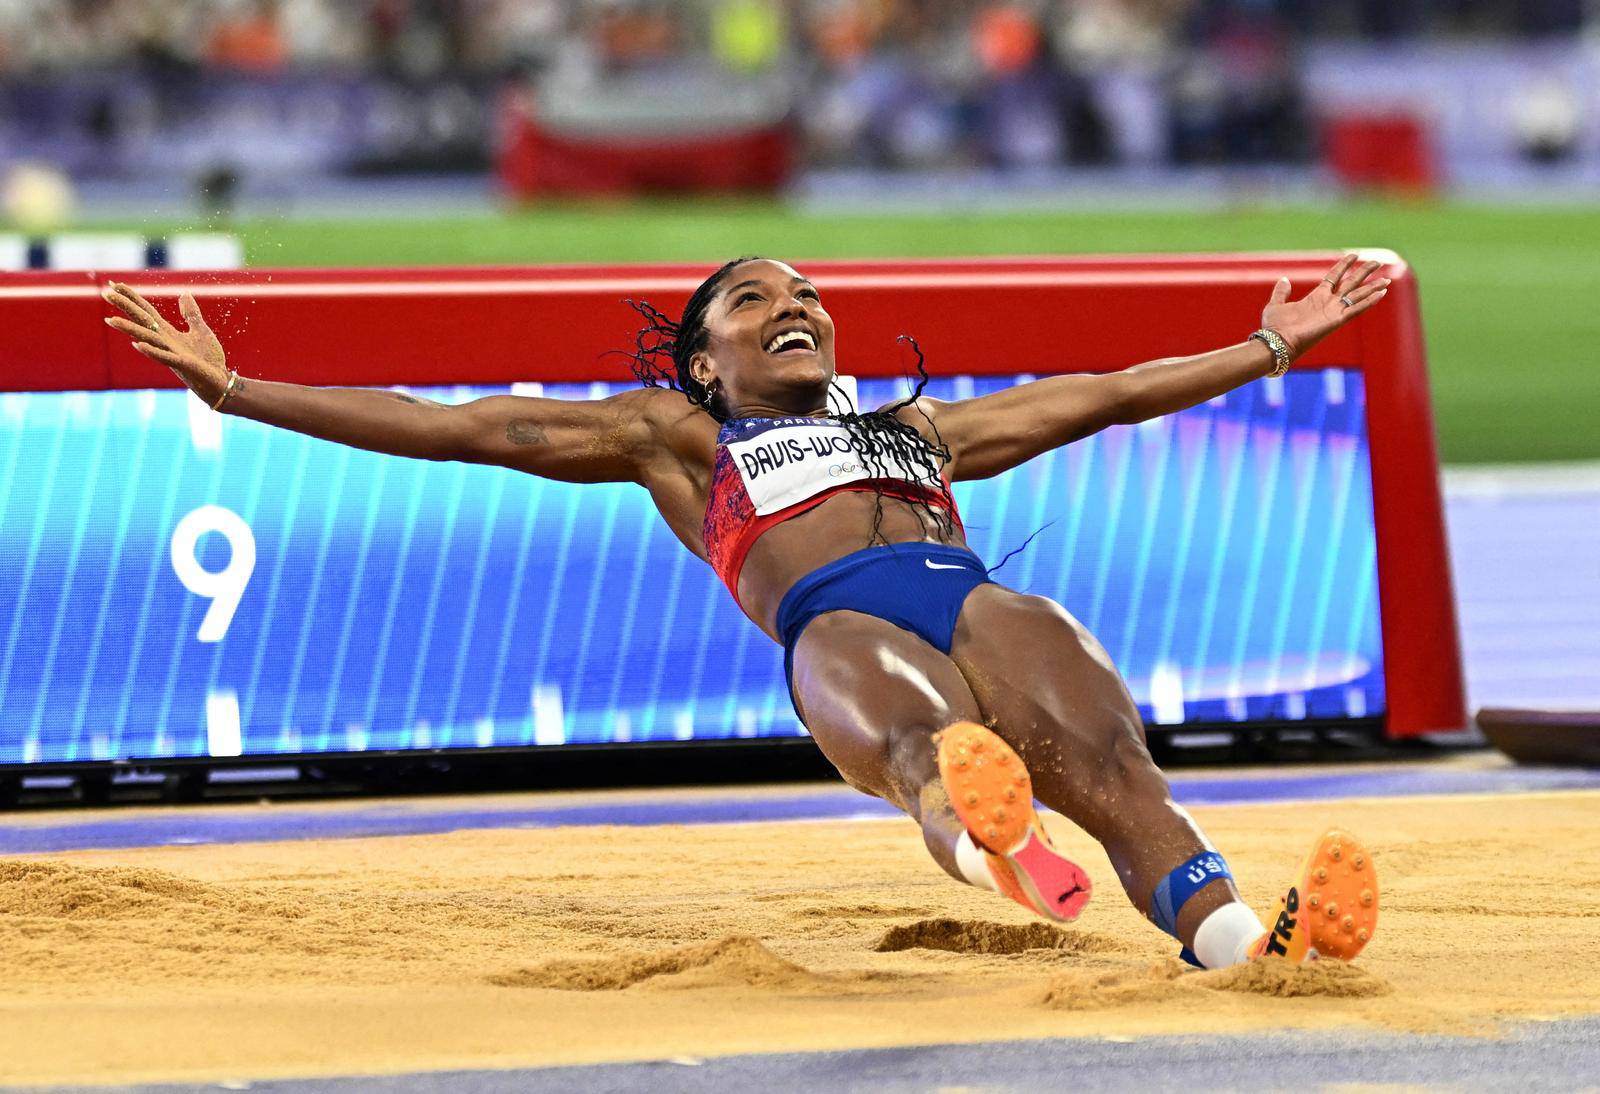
x=500 y=948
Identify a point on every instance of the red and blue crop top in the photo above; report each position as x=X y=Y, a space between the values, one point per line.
x=770 y=469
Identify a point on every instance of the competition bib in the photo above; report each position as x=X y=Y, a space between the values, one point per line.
x=796 y=458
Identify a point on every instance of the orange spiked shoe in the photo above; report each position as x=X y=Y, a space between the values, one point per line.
x=992 y=795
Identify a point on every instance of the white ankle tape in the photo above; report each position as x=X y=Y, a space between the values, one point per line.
x=972 y=864
x=1226 y=935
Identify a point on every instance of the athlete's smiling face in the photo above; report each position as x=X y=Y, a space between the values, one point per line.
x=769 y=344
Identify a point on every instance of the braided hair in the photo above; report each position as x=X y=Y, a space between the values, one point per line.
x=661 y=355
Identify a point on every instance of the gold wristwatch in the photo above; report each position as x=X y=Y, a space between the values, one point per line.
x=1280 y=349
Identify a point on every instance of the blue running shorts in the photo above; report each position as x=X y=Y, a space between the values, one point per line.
x=918 y=587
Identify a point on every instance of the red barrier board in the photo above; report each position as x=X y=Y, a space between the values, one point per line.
x=990 y=316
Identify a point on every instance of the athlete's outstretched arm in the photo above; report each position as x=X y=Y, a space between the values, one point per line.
x=602 y=440
x=994 y=433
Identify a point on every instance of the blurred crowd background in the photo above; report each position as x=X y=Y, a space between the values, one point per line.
x=1394 y=93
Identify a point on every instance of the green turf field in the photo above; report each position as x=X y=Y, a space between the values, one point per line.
x=1511 y=296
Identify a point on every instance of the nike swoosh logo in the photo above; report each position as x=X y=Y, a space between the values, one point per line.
x=932 y=565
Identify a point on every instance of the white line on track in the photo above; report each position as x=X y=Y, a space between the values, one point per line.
x=1495 y=480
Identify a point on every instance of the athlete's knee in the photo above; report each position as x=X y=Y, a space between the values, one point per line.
x=1127 y=757
x=1129 y=765
x=1117 y=777
x=912 y=754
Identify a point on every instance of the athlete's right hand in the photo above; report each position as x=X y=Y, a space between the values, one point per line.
x=194 y=354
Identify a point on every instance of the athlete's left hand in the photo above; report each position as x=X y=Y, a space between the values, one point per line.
x=1343 y=294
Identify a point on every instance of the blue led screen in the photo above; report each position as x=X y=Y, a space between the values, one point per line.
x=176 y=583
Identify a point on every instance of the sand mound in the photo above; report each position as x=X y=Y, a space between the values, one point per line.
x=54 y=890
x=63 y=923
x=1171 y=979
x=1093 y=990
x=1275 y=976
x=979 y=936
x=735 y=961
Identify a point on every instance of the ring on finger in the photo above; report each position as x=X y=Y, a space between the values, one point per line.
x=1347 y=302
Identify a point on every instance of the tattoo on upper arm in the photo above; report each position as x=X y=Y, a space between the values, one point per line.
x=522 y=431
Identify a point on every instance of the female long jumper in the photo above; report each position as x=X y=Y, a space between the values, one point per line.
x=923 y=680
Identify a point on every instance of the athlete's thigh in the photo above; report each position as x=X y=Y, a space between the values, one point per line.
x=872 y=695
x=1049 y=688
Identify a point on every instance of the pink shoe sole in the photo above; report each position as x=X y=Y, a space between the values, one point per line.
x=1057 y=887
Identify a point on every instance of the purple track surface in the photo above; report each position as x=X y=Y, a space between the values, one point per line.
x=387 y=818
